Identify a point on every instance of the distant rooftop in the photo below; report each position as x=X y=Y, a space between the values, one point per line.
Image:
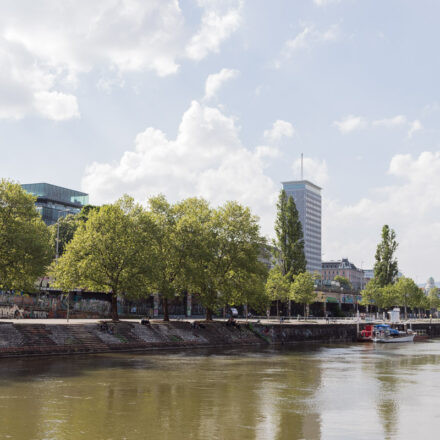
x=343 y=263
x=56 y=193
x=302 y=182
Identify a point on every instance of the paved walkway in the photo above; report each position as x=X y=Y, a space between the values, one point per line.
x=272 y=321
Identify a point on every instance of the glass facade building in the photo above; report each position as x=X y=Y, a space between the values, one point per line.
x=307 y=197
x=54 y=201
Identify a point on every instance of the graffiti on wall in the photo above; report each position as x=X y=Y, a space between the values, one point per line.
x=51 y=305
x=11 y=311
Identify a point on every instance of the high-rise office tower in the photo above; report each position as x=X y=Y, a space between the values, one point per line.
x=307 y=197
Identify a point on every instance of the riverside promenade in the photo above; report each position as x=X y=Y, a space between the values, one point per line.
x=34 y=337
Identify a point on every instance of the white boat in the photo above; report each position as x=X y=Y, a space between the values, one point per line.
x=389 y=339
x=383 y=333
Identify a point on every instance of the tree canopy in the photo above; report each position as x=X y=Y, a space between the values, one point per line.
x=404 y=292
x=302 y=289
x=277 y=286
x=434 y=298
x=385 y=267
x=25 y=245
x=343 y=282
x=63 y=231
x=110 y=252
x=407 y=290
x=225 y=245
x=169 y=250
x=289 y=243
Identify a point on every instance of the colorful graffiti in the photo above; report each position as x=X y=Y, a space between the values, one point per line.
x=52 y=305
x=11 y=311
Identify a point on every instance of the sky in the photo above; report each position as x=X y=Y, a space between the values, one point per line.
x=219 y=98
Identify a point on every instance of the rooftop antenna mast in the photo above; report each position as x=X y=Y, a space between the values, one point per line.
x=302 y=167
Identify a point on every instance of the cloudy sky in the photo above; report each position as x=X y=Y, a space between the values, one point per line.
x=218 y=98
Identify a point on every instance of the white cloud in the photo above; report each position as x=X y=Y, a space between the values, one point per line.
x=315 y=170
x=219 y=20
x=45 y=46
x=351 y=123
x=396 y=121
x=414 y=126
x=206 y=159
x=411 y=207
x=263 y=151
x=216 y=80
x=56 y=106
x=279 y=130
x=306 y=39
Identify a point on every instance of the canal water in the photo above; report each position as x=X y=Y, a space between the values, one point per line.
x=314 y=392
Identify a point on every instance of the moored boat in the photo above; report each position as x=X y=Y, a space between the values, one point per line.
x=383 y=333
x=420 y=336
x=366 y=335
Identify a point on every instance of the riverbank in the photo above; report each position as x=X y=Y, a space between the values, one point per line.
x=46 y=339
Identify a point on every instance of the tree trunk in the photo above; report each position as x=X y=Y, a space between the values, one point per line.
x=208 y=314
x=304 y=311
x=278 y=308
x=114 y=310
x=166 y=316
x=406 y=314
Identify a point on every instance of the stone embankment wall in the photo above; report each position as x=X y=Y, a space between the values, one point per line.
x=287 y=333
x=431 y=329
x=27 y=339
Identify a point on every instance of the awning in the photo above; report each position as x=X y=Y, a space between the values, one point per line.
x=331 y=299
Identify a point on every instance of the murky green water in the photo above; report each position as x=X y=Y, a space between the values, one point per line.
x=320 y=392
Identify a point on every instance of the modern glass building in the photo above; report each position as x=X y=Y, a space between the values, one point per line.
x=307 y=197
x=54 y=201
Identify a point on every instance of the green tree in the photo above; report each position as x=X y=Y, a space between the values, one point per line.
x=385 y=267
x=25 y=246
x=289 y=243
x=277 y=287
x=390 y=296
x=169 y=251
x=110 y=252
x=224 y=245
x=84 y=214
x=434 y=298
x=369 y=293
x=302 y=290
x=249 y=289
x=63 y=231
x=343 y=282
x=406 y=288
x=381 y=297
x=418 y=300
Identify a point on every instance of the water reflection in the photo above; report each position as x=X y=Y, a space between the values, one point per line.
x=318 y=392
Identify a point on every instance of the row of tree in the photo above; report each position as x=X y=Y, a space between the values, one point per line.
x=386 y=289
x=404 y=293
x=131 y=251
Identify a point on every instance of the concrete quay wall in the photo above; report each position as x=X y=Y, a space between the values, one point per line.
x=27 y=339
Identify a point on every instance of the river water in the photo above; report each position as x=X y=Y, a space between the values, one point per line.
x=311 y=392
